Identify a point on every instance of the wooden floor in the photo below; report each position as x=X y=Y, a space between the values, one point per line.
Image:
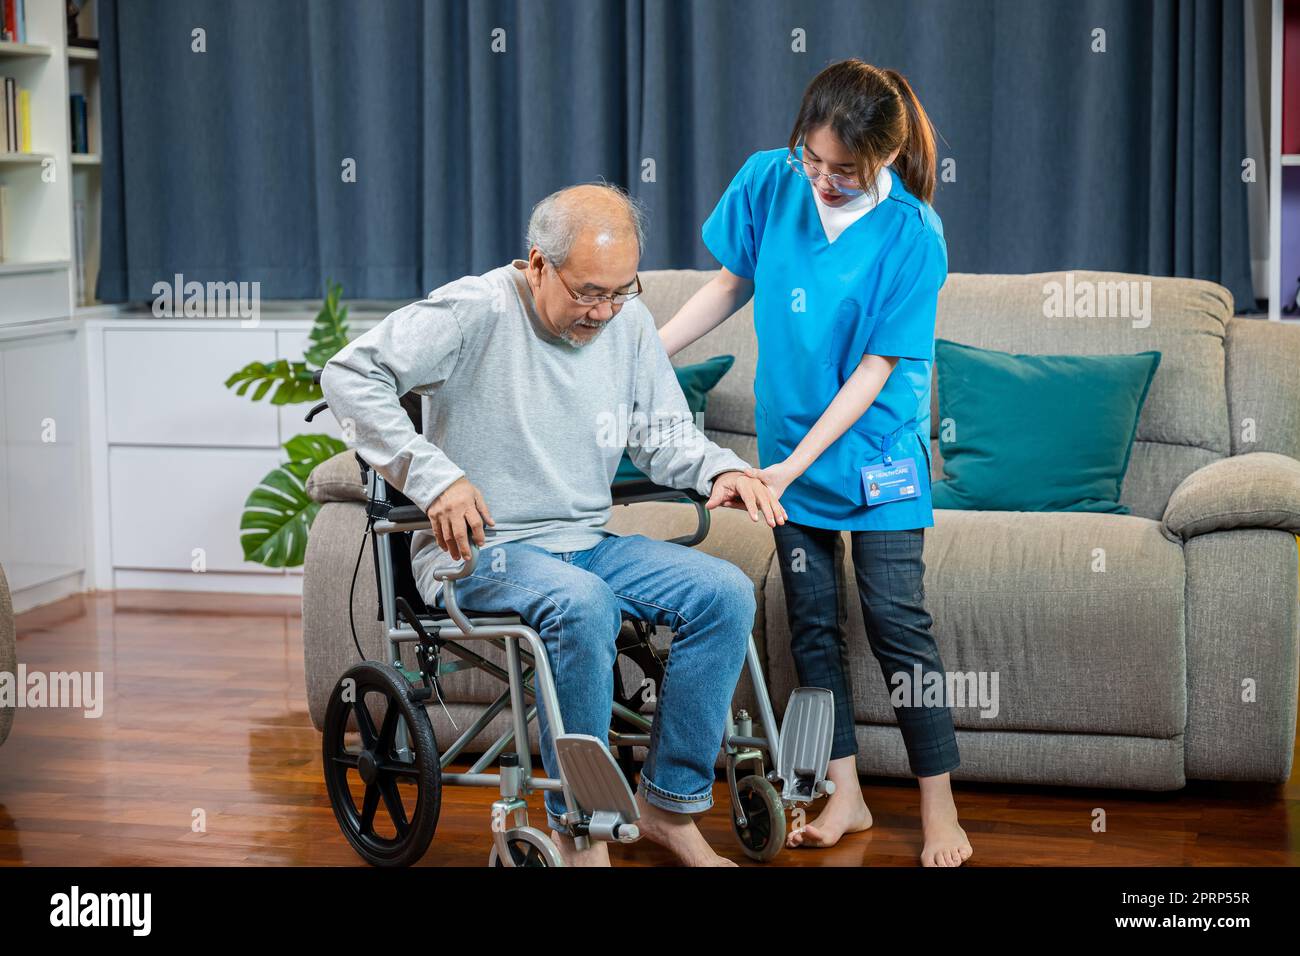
x=205 y=711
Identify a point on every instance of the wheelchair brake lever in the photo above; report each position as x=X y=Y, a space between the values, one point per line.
x=428 y=650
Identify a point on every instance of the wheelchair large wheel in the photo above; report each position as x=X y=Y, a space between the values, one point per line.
x=528 y=846
x=763 y=834
x=386 y=802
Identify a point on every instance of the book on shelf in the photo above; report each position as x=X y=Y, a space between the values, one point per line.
x=14 y=29
x=80 y=138
x=24 y=121
x=16 y=111
x=11 y=115
x=15 y=21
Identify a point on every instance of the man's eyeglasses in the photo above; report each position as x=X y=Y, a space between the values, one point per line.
x=616 y=298
x=807 y=170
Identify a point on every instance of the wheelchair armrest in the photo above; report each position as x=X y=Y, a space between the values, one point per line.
x=407 y=514
x=643 y=489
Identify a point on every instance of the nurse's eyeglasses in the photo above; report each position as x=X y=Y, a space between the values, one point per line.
x=616 y=298
x=807 y=170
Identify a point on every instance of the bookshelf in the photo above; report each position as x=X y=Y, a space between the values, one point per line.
x=44 y=404
x=50 y=190
x=1284 y=151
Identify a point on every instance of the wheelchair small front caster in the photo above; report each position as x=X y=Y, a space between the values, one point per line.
x=395 y=769
x=763 y=833
x=527 y=846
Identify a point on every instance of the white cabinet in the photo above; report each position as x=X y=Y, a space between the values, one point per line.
x=171 y=505
x=174 y=454
x=166 y=387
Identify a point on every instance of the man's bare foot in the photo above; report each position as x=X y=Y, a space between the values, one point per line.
x=946 y=843
x=596 y=854
x=845 y=810
x=677 y=833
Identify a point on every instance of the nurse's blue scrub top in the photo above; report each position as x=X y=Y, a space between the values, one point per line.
x=818 y=308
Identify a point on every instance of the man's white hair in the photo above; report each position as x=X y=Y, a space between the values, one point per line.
x=554 y=226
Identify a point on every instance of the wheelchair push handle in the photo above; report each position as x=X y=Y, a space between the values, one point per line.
x=319 y=406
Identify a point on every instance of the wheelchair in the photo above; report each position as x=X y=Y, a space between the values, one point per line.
x=384 y=771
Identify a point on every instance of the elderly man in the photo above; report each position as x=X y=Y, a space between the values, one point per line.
x=534 y=377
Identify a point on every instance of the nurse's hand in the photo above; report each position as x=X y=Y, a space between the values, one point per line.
x=777 y=477
x=736 y=489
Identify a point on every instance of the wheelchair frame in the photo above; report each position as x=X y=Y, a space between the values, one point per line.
x=596 y=791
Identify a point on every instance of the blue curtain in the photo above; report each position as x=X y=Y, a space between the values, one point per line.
x=228 y=164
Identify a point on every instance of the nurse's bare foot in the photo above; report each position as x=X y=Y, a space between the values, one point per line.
x=946 y=843
x=677 y=833
x=596 y=854
x=845 y=810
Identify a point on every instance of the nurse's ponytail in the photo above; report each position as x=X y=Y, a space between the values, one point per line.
x=916 y=160
x=872 y=111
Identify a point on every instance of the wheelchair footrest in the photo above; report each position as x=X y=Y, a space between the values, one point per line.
x=599 y=787
x=805 y=744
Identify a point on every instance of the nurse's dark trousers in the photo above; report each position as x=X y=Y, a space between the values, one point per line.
x=890 y=577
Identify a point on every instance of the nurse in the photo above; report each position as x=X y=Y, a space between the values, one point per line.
x=834 y=239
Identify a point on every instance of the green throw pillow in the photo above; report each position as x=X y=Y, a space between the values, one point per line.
x=696 y=382
x=1037 y=432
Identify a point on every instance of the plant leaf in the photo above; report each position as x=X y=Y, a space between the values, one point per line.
x=292 y=382
x=329 y=332
x=308 y=451
x=278 y=514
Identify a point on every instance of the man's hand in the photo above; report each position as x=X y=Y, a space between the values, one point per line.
x=735 y=489
x=457 y=515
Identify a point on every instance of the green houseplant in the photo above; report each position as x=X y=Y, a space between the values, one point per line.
x=278 y=513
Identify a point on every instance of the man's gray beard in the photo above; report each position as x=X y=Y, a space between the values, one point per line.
x=576 y=343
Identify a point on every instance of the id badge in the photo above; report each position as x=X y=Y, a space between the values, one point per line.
x=889 y=481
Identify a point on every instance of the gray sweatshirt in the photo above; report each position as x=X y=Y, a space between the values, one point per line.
x=536 y=424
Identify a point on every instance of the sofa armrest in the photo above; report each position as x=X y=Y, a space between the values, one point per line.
x=1255 y=490
x=337 y=479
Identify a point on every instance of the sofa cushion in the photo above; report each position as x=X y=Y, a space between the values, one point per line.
x=1185 y=415
x=1264 y=386
x=1187 y=319
x=1023 y=441
x=1079 y=615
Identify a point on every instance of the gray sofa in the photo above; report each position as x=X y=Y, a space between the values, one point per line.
x=1134 y=651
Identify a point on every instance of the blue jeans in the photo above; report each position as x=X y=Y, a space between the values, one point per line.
x=576 y=601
